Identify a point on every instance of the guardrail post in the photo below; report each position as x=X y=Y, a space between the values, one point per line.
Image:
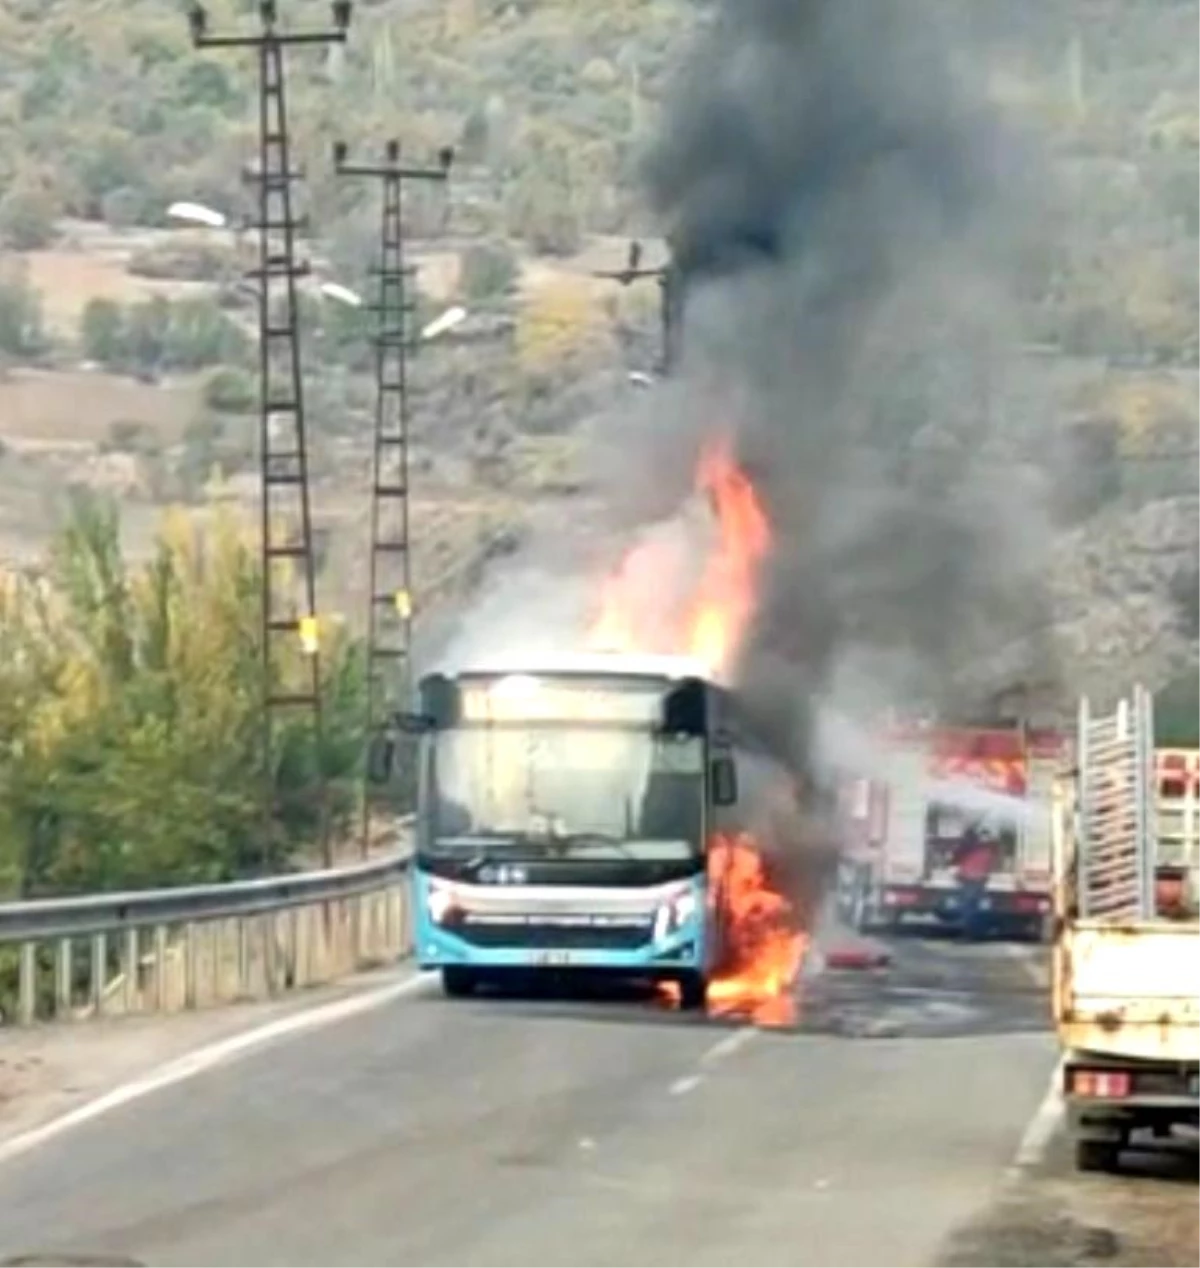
x=292 y=967
x=191 y=965
x=243 y=958
x=99 y=972
x=132 y=969
x=160 y=968
x=345 y=935
x=27 y=985
x=269 y=927
x=62 y=978
x=356 y=933
x=302 y=943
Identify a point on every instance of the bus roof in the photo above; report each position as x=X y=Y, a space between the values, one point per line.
x=622 y=663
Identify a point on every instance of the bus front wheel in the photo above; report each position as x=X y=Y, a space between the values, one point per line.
x=458 y=981
x=693 y=991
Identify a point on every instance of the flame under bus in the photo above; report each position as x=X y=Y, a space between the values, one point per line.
x=563 y=814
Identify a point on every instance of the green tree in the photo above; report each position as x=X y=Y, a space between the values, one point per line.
x=488 y=271
x=22 y=333
x=147 y=332
x=28 y=213
x=199 y=333
x=102 y=329
x=540 y=211
x=1177 y=711
x=231 y=391
x=130 y=714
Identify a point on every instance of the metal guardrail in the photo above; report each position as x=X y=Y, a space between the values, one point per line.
x=62 y=917
x=74 y=958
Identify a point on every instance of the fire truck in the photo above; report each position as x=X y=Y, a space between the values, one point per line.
x=937 y=788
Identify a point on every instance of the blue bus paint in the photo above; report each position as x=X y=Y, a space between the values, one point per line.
x=681 y=947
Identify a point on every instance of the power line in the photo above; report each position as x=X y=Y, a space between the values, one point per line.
x=291 y=660
x=668 y=292
x=389 y=583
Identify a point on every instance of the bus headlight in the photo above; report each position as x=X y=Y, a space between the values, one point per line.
x=438 y=902
x=674 y=914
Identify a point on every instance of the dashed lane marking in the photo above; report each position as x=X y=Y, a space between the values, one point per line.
x=722 y=1049
x=729 y=1045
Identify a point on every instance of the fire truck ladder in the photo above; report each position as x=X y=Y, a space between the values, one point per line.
x=1116 y=810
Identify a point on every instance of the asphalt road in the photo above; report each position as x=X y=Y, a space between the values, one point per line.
x=565 y=1132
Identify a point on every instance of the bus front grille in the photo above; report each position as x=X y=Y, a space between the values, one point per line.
x=555 y=936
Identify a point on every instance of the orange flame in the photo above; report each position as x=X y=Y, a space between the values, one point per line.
x=764 y=945
x=717 y=615
x=725 y=598
x=763 y=941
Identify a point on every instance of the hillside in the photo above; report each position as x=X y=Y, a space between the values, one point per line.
x=111 y=116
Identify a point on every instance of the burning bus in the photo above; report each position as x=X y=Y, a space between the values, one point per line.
x=578 y=816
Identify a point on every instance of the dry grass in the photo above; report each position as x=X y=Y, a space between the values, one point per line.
x=67 y=279
x=41 y=408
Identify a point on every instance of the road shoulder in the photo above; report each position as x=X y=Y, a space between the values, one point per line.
x=48 y=1071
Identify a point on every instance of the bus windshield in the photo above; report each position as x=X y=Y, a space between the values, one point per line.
x=575 y=792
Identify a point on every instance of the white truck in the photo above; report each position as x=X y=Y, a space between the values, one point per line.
x=1126 y=974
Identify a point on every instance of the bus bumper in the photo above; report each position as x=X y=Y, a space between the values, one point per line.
x=438 y=948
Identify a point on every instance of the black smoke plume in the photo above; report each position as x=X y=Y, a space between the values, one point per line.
x=843 y=208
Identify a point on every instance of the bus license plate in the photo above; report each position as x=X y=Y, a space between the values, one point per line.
x=553 y=959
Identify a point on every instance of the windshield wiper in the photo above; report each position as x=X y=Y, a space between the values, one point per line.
x=569 y=839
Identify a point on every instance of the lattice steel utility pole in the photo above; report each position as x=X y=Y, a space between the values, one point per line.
x=668 y=291
x=292 y=675
x=389 y=584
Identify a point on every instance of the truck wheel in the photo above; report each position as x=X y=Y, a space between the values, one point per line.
x=1097 y=1155
x=693 y=991
x=457 y=981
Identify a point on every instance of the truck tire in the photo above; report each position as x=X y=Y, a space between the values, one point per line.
x=693 y=991
x=1097 y=1155
x=458 y=981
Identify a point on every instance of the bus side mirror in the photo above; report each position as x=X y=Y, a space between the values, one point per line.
x=724 y=781
x=380 y=755
x=685 y=709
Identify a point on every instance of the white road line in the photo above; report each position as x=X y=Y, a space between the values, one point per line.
x=1048 y=1117
x=209 y=1057
x=729 y=1045
x=723 y=1048
x=1041 y=1128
